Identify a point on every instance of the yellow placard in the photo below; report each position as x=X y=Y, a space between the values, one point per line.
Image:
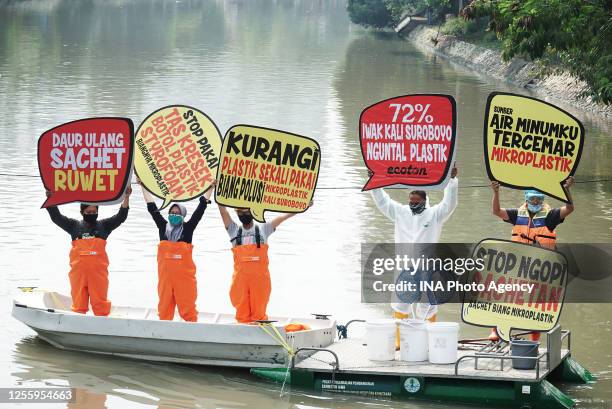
x=267 y=169
x=177 y=153
x=521 y=287
x=530 y=143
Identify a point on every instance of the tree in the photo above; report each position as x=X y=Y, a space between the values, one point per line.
x=577 y=32
x=437 y=8
x=369 y=13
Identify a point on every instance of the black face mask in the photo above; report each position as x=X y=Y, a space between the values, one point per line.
x=90 y=218
x=418 y=207
x=245 y=218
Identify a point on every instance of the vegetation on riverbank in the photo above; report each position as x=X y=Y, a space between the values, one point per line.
x=381 y=14
x=474 y=31
x=565 y=35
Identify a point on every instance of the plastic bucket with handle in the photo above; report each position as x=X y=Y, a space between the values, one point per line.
x=413 y=340
x=522 y=348
x=443 y=340
x=380 y=339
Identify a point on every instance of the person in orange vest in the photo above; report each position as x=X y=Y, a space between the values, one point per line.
x=251 y=286
x=88 y=259
x=176 y=271
x=534 y=222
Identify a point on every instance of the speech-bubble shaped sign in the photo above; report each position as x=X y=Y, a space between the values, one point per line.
x=521 y=287
x=88 y=160
x=531 y=144
x=409 y=140
x=177 y=153
x=267 y=169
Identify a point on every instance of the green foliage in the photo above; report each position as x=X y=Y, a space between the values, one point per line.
x=577 y=32
x=459 y=27
x=388 y=13
x=399 y=8
x=370 y=13
x=474 y=31
x=438 y=8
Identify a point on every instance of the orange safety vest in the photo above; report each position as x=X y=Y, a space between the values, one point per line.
x=177 y=285
x=89 y=276
x=251 y=285
x=533 y=230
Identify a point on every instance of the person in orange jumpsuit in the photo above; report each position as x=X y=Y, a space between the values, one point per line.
x=534 y=222
x=251 y=286
x=88 y=259
x=177 y=284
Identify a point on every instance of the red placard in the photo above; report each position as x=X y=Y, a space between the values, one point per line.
x=409 y=140
x=89 y=160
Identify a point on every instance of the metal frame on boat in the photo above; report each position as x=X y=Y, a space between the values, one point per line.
x=478 y=376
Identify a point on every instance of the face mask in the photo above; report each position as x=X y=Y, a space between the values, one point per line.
x=175 y=219
x=245 y=218
x=417 y=208
x=90 y=217
x=534 y=208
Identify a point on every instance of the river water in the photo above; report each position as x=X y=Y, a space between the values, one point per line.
x=293 y=65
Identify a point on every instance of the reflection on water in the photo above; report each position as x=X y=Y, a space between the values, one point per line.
x=99 y=383
x=149 y=384
x=296 y=65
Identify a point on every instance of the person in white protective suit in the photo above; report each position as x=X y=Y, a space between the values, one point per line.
x=417 y=222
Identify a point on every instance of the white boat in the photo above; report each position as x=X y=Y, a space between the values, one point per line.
x=216 y=339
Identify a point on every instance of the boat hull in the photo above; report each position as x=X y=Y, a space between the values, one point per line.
x=212 y=341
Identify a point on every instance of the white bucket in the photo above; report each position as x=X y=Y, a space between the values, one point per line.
x=443 y=342
x=380 y=338
x=413 y=340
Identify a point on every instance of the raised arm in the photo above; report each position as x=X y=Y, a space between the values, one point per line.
x=279 y=219
x=159 y=220
x=385 y=204
x=449 y=202
x=198 y=213
x=497 y=210
x=65 y=223
x=126 y=198
x=115 y=221
x=569 y=207
x=225 y=216
x=209 y=191
x=148 y=197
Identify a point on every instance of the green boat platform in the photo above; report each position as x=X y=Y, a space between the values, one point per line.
x=482 y=375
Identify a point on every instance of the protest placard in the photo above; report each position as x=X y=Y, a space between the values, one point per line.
x=542 y=275
x=177 y=153
x=409 y=140
x=267 y=169
x=88 y=160
x=530 y=143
